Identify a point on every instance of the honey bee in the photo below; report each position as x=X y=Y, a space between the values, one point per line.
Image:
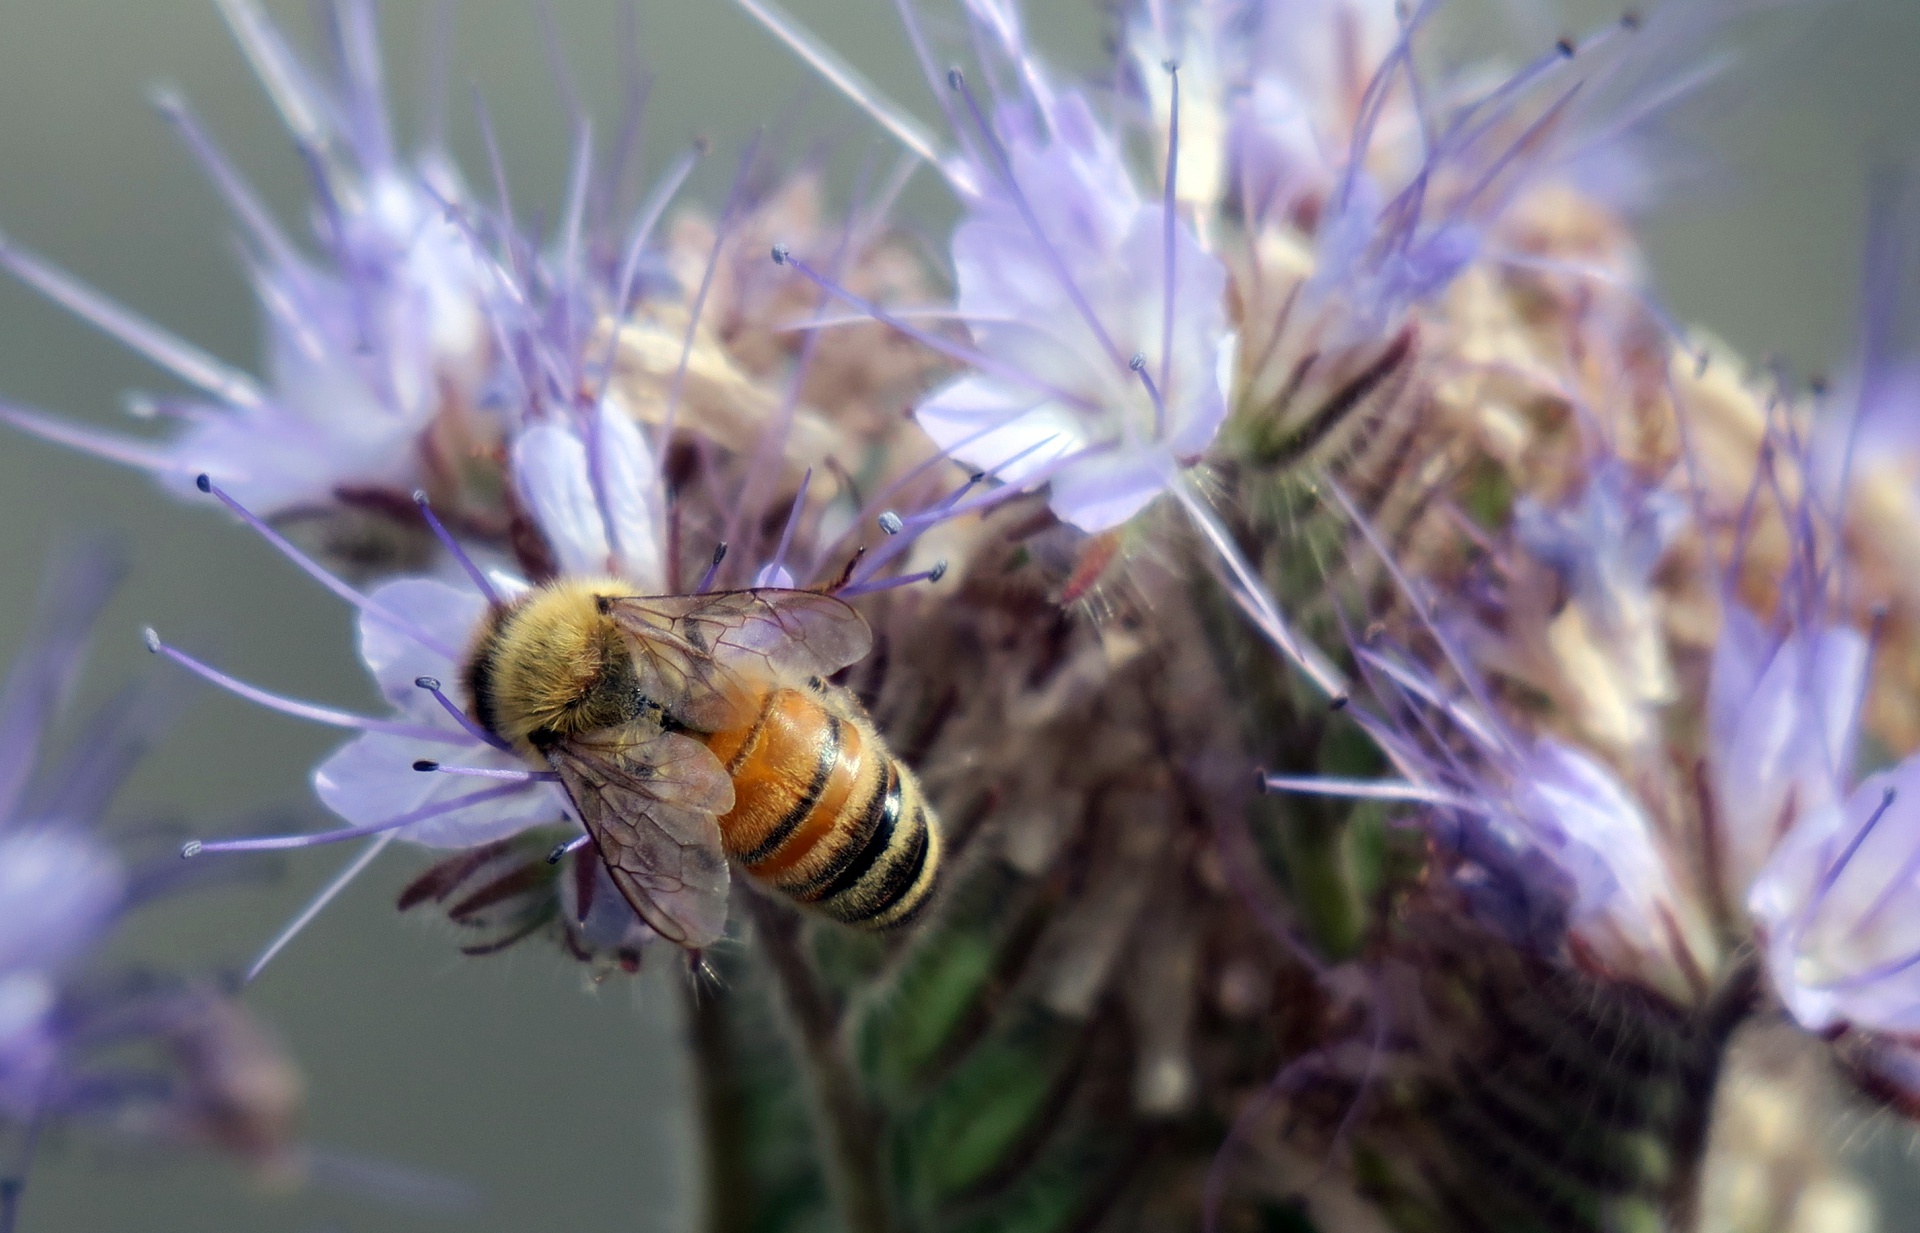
x=690 y=730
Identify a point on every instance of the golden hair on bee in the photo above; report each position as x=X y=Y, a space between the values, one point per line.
x=694 y=730
x=548 y=665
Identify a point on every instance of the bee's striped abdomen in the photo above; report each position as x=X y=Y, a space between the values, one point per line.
x=823 y=813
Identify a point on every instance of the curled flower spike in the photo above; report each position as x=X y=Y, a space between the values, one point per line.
x=374 y=345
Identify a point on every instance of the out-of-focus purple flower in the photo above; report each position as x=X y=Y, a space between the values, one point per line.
x=140 y=1060
x=1542 y=841
x=1626 y=911
x=369 y=344
x=1839 y=904
x=1782 y=715
x=1607 y=640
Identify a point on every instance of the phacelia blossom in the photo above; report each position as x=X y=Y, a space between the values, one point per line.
x=1542 y=840
x=1839 y=906
x=1783 y=716
x=375 y=343
x=1102 y=356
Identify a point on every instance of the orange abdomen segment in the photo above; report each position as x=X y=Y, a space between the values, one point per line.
x=793 y=770
x=823 y=814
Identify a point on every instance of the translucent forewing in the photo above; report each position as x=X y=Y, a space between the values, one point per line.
x=650 y=799
x=696 y=654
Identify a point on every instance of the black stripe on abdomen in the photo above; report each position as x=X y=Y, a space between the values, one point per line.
x=901 y=875
x=872 y=835
x=822 y=771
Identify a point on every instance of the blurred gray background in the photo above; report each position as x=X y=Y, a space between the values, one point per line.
x=566 y=1104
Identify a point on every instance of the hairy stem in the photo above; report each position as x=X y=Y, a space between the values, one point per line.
x=723 y=1115
x=1731 y=1006
x=846 y=1123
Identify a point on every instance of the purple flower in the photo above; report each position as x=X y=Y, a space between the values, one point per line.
x=367 y=346
x=1102 y=356
x=154 y=1059
x=1541 y=840
x=598 y=521
x=1061 y=276
x=1607 y=642
x=1839 y=906
x=1782 y=713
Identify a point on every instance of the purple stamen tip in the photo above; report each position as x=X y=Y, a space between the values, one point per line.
x=151 y=637
x=938 y=571
x=203 y=482
x=426 y=764
x=1139 y=361
x=891 y=523
x=190 y=849
x=427 y=683
x=956 y=78
x=780 y=254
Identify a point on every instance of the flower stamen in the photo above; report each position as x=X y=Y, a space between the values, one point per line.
x=284 y=843
x=318 y=573
x=478 y=733
x=292 y=706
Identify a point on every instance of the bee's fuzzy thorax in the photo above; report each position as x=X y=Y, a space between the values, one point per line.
x=538 y=662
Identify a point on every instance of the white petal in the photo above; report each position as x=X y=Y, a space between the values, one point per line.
x=630 y=491
x=550 y=470
x=449 y=614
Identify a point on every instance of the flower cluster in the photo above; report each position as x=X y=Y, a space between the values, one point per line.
x=1298 y=340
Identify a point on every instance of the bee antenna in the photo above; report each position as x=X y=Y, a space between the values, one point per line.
x=846 y=575
x=713 y=567
x=571 y=845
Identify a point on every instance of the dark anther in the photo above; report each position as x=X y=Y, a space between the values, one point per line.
x=190 y=849
x=1138 y=362
x=1564 y=47
x=938 y=571
x=780 y=254
x=559 y=850
x=1630 y=20
x=203 y=482
x=955 y=78
x=1338 y=702
x=426 y=764
x=719 y=552
x=427 y=682
x=151 y=637
x=420 y=497
x=1260 y=782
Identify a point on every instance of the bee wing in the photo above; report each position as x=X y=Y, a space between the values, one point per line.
x=650 y=799
x=691 y=652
